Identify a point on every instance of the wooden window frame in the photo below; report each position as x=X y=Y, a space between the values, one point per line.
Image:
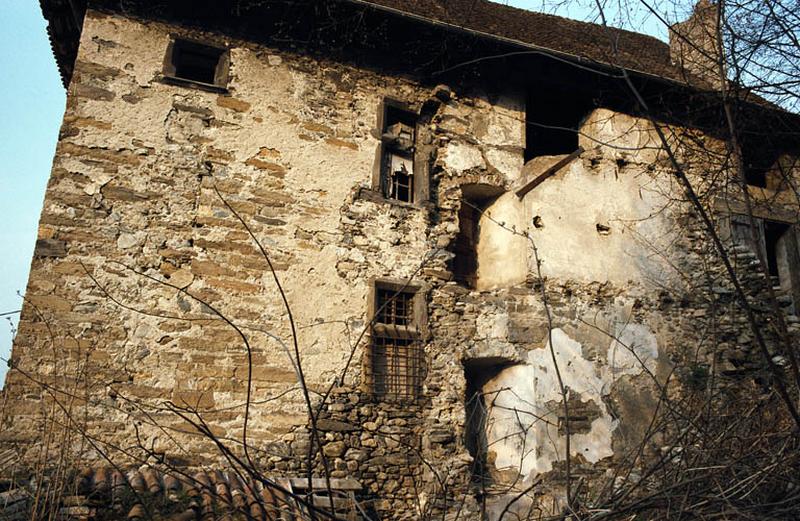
x=382 y=181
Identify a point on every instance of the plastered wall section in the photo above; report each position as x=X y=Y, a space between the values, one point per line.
x=136 y=200
x=144 y=256
x=608 y=244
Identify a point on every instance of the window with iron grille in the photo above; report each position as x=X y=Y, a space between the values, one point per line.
x=394 y=367
x=394 y=307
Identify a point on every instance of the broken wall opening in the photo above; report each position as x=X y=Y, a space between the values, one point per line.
x=758 y=158
x=475 y=198
x=552 y=118
x=477 y=373
x=775 y=242
x=197 y=63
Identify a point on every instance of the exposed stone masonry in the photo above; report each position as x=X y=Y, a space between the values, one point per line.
x=140 y=256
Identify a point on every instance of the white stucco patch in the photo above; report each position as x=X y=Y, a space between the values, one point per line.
x=633 y=349
x=610 y=187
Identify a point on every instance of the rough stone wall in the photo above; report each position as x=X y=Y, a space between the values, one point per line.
x=133 y=204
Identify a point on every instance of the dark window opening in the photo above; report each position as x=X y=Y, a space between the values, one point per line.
x=395 y=365
x=774 y=234
x=398 y=137
x=197 y=62
x=553 y=118
x=465 y=262
x=755 y=177
x=399 y=121
x=776 y=242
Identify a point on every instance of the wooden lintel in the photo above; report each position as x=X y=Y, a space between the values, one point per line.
x=528 y=183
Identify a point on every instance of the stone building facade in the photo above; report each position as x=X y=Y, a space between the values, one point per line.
x=457 y=266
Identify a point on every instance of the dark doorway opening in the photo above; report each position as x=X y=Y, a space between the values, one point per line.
x=477 y=373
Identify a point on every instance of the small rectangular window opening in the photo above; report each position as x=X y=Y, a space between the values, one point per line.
x=196 y=62
x=774 y=240
x=398 y=137
x=395 y=357
x=553 y=118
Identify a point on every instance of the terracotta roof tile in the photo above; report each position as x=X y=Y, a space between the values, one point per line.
x=213 y=495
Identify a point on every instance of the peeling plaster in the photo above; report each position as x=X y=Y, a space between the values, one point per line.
x=634 y=346
x=523 y=433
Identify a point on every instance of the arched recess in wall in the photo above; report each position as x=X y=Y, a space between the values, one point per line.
x=487 y=253
x=475 y=198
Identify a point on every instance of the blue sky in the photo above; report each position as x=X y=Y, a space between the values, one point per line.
x=30 y=116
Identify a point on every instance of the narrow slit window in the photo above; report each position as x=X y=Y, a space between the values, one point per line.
x=775 y=234
x=465 y=247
